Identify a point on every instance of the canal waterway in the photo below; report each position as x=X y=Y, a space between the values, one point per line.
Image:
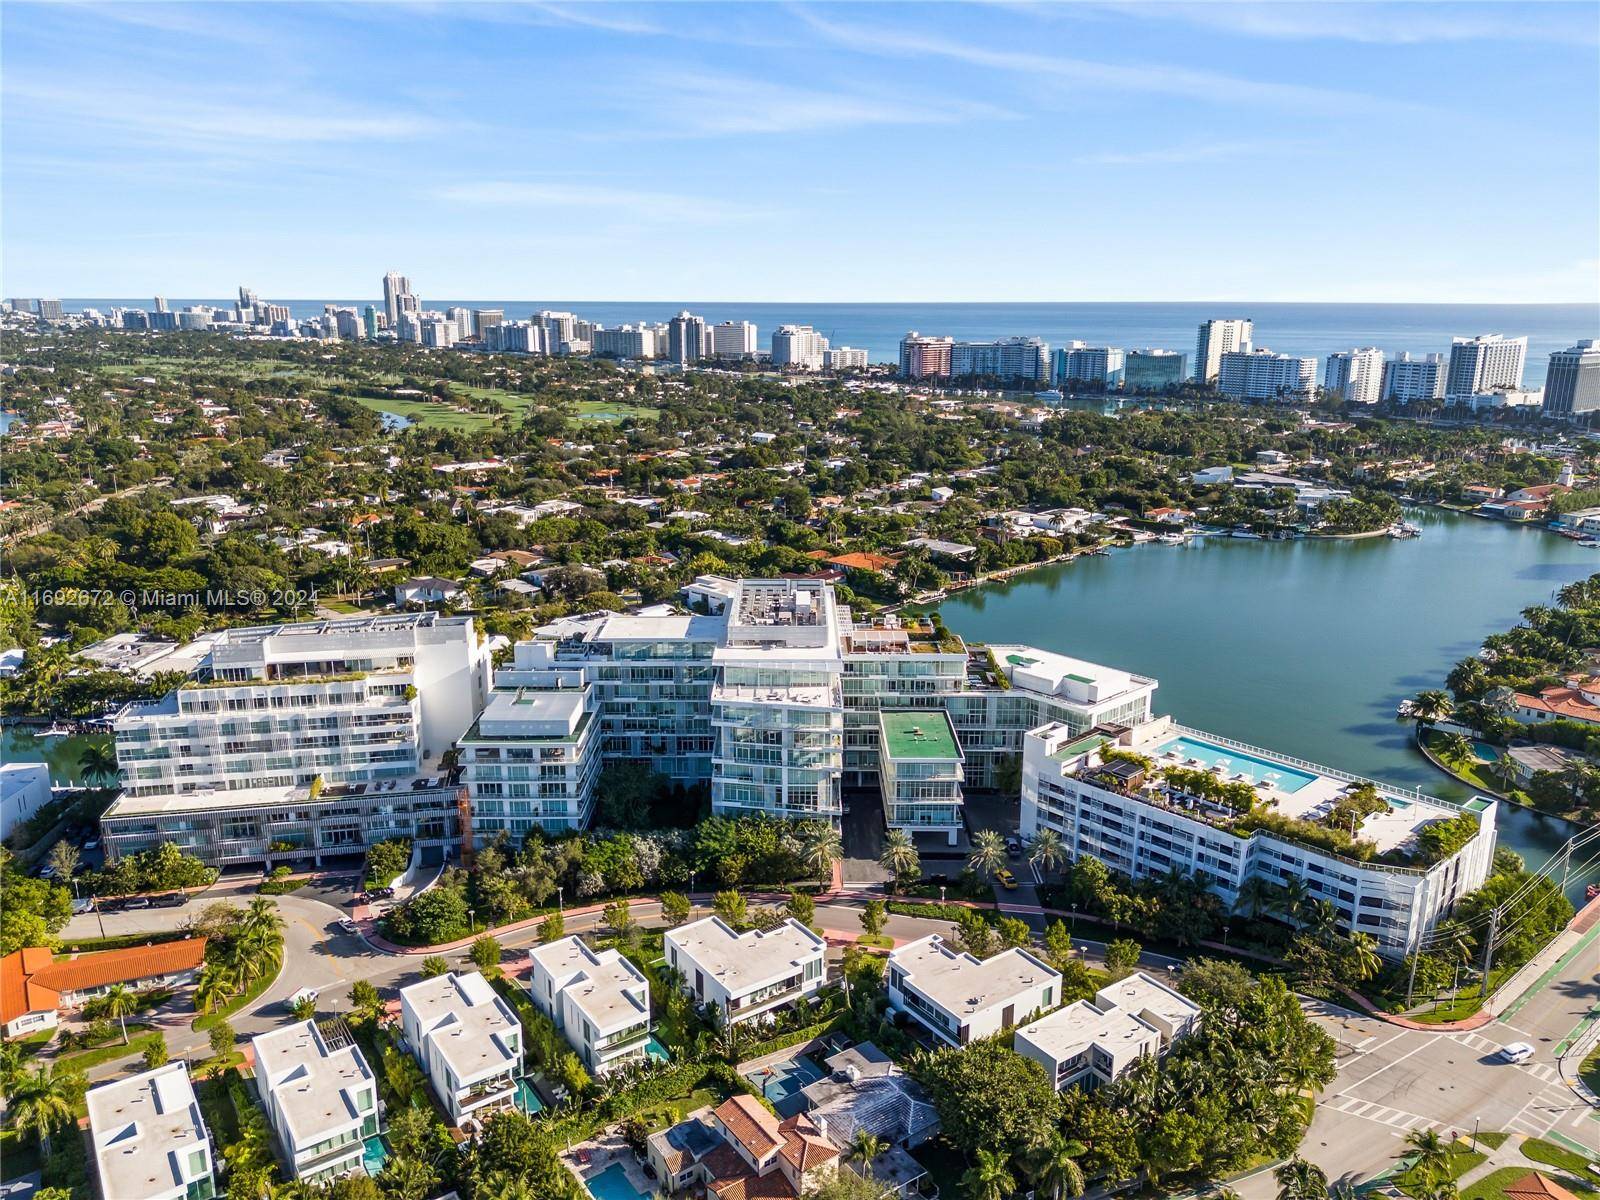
x=1305 y=647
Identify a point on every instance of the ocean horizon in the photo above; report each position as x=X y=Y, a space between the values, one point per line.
x=1303 y=328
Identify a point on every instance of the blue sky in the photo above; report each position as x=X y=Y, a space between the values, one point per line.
x=822 y=152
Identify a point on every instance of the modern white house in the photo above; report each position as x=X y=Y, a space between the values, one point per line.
x=1128 y=795
x=597 y=998
x=959 y=998
x=24 y=790
x=149 y=1140
x=320 y=1097
x=746 y=974
x=1092 y=1042
x=467 y=1040
x=319 y=736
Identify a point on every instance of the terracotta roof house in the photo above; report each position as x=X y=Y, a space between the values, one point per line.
x=1579 y=700
x=741 y=1151
x=34 y=984
x=1535 y=1186
x=857 y=560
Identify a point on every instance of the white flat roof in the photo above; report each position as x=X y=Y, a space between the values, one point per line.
x=530 y=713
x=1075 y=1027
x=469 y=1024
x=312 y=1083
x=603 y=984
x=140 y=1125
x=963 y=985
x=687 y=627
x=743 y=960
x=1138 y=993
x=1073 y=679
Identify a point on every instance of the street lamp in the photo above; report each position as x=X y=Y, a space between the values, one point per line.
x=95 y=900
x=941 y=893
x=472 y=924
x=560 y=904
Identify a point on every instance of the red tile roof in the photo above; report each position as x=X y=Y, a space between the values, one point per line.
x=31 y=981
x=19 y=994
x=804 y=1147
x=1535 y=1186
x=756 y=1129
x=1561 y=702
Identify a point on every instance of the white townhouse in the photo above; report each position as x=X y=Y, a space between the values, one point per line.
x=150 y=1142
x=597 y=998
x=468 y=1041
x=746 y=974
x=1092 y=1042
x=960 y=998
x=321 y=1099
x=1146 y=814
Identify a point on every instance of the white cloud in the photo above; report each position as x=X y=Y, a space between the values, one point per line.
x=1148 y=78
x=588 y=199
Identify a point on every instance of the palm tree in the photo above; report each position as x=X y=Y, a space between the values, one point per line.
x=1293 y=896
x=1300 y=1180
x=991 y=1178
x=899 y=856
x=865 y=1147
x=41 y=1106
x=1047 y=851
x=216 y=985
x=1504 y=770
x=1257 y=895
x=1430 y=706
x=1432 y=1155
x=119 y=1001
x=1362 y=954
x=988 y=852
x=1454 y=940
x=1455 y=747
x=1056 y=1173
x=820 y=847
x=98 y=760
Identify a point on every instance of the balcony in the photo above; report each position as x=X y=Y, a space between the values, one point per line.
x=637 y=1036
x=786 y=990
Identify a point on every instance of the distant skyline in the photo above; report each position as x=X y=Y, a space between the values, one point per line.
x=807 y=153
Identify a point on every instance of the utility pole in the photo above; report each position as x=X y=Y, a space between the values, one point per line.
x=1411 y=977
x=1488 y=950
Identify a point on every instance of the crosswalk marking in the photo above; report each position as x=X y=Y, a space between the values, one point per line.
x=1379 y=1114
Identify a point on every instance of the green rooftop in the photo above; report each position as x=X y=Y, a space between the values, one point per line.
x=917 y=735
x=1088 y=741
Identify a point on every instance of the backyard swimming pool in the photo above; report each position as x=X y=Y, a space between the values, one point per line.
x=1237 y=762
x=613 y=1184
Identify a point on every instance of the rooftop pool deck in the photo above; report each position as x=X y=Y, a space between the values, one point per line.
x=1193 y=752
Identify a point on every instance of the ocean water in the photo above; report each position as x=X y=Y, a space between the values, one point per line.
x=1304 y=329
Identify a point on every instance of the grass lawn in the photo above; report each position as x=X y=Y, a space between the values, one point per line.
x=1474 y=771
x=1493 y=1185
x=430 y=414
x=216 y=1016
x=613 y=410
x=1493 y=1140
x=1462 y=1158
x=1590 y=1071
x=1541 y=1151
x=876 y=941
x=670 y=1112
x=110 y=1052
x=221 y=1062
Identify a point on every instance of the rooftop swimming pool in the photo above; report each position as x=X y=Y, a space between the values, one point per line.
x=1236 y=762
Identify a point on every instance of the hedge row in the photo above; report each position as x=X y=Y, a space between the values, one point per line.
x=784 y=1040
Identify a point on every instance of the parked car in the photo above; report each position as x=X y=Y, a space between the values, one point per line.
x=170 y=900
x=134 y=902
x=1006 y=879
x=111 y=904
x=92 y=844
x=1516 y=1052
x=1014 y=847
x=346 y=924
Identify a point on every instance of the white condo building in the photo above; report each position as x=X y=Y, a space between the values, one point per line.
x=321 y=1099
x=1216 y=338
x=466 y=1039
x=149 y=1140
x=597 y=998
x=1486 y=363
x=798 y=346
x=1079 y=363
x=1263 y=375
x=1142 y=822
x=1408 y=380
x=530 y=762
x=746 y=974
x=323 y=736
x=959 y=998
x=844 y=358
x=1355 y=374
x=733 y=339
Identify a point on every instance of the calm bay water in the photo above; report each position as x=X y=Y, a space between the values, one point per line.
x=1306 y=329
x=1303 y=647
